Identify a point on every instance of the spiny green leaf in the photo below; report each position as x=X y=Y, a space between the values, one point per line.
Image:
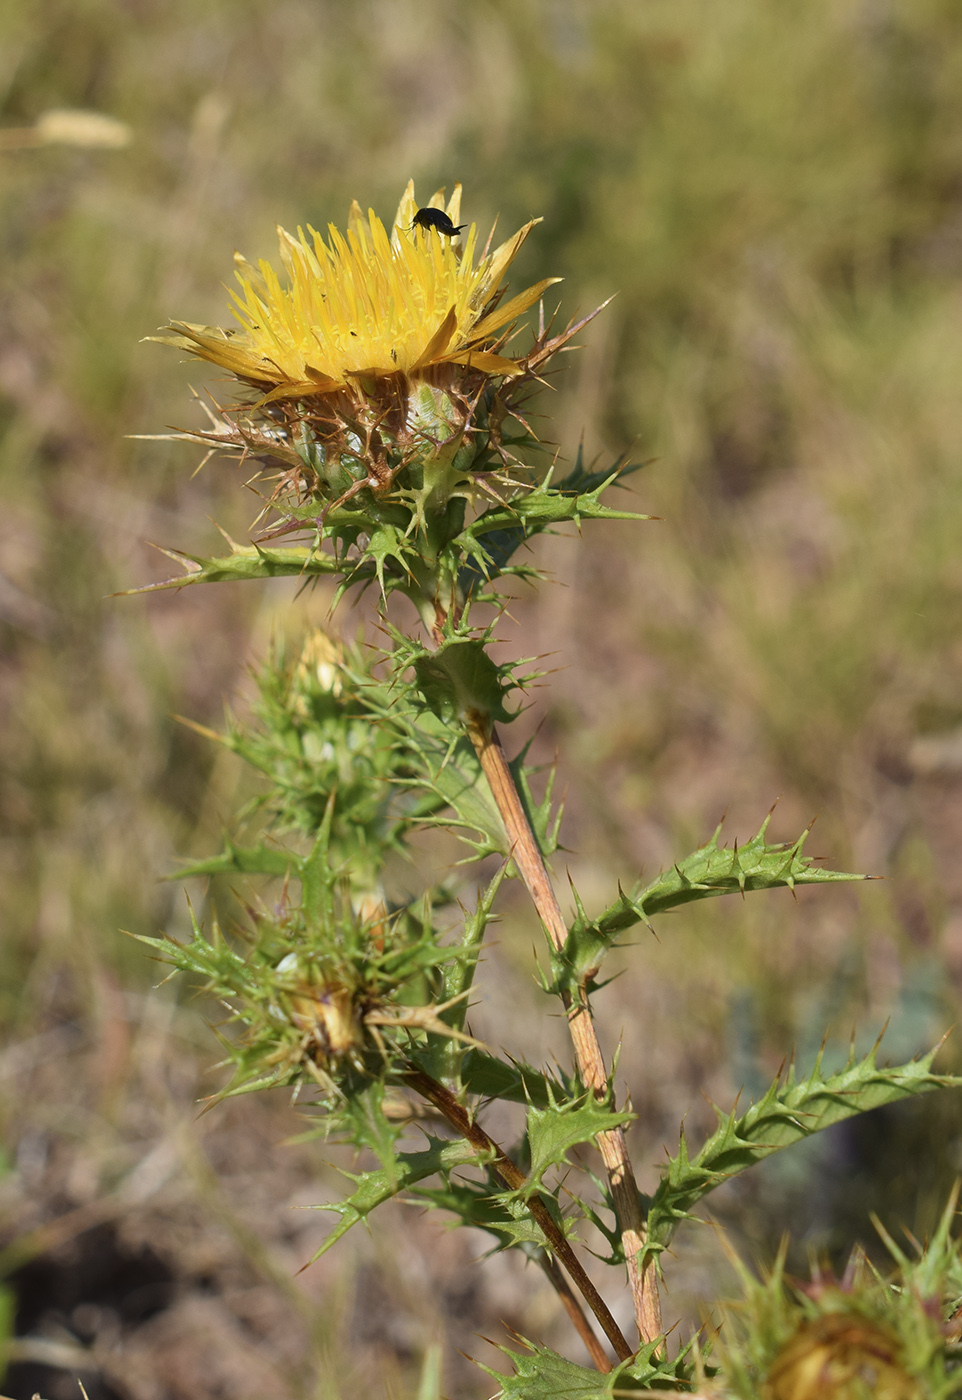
x=539 y=510
x=387 y=543
x=500 y=1213
x=443 y=766
x=459 y=976
x=582 y=479
x=460 y=680
x=489 y=542
x=455 y=774
x=710 y=871
x=241 y=860
x=553 y=1131
x=361 y=1119
x=590 y=1210
x=487 y=558
x=576 y=498
x=715 y=870
x=474 y=1204
x=485 y=1074
x=544 y=817
x=441 y=1057
x=791 y=1109
x=541 y=1374
x=247 y=562
x=374 y=1187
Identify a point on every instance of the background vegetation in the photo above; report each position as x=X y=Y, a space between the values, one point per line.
x=775 y=193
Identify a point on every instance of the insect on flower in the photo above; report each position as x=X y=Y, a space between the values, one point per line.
x=436 y=218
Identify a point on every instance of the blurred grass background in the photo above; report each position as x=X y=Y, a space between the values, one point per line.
x=775 y=194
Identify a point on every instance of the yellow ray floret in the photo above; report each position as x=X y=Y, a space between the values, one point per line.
x=366 y=306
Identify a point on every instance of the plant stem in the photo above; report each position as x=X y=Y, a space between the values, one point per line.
x=591 y=1066
x=575 y=1312
x=514 y=1178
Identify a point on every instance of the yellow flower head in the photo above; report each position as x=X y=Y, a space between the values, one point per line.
x=366 y=306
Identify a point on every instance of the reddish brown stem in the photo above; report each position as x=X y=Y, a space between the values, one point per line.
x=591 y=1066
x=514 y=1178
x=575 y=1312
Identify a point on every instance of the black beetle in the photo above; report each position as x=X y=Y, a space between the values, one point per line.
x=436 y=218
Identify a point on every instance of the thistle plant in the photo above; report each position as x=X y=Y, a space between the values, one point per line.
x=380 y=408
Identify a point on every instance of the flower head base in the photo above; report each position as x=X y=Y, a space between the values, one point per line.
x=865 y=1336
x=332 y=991
x=841 y=1356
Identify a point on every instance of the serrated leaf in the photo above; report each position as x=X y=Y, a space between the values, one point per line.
x=791 y=1110
x=362 y=1120
x=459 y=976
x=541 y=1374
x=553 y=1131
x=387 y=542
x=608 y=1231
x=241 y=860
x=539 y=510
x=707 y=873
x=490 y=541
x=246 y=562
x=576 y=498
x=496 y=1212
x=440 y=1057
x=582 y=479
x=714 y=870
x=459 y=680
x=374 y=1187
x=451 y=772
x=492 y=1078
x=544 y=816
